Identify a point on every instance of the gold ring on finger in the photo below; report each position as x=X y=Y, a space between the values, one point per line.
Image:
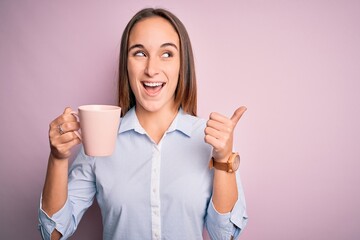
x=61 y=131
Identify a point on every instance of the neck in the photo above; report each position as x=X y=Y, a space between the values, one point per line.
x=156 y=123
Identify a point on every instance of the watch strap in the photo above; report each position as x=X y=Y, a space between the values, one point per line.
x=224 y=166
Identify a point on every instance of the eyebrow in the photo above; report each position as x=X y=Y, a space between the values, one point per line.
x=169 y=44
x=162 y=46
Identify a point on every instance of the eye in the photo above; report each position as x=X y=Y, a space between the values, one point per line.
x=167 y=55
x=139 y=54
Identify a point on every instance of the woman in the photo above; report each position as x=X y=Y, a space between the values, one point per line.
x=157 y=184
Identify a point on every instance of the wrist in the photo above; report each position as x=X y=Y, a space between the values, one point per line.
x=230 y=166
x=58 y=161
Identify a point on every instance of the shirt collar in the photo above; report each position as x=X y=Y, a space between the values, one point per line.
x=180 y=123
x=130 y=122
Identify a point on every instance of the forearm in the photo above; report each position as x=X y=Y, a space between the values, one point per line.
x=225 y=191
x=219 y=134
x=55 y=188
x=55 y=235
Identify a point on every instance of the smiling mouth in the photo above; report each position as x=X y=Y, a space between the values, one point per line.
x=152 y=88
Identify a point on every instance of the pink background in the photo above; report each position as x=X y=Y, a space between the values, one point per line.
x=294 y=64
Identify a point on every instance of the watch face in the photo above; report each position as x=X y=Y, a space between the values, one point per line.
x=236 y=163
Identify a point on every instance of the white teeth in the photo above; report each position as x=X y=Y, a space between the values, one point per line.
x=152 y=84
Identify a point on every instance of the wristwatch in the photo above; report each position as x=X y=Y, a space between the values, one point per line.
x=230 y=166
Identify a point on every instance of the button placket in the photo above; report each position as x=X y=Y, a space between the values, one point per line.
x=155 y=194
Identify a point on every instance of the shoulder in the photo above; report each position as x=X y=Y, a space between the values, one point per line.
x=191 y=125
x=196 y=122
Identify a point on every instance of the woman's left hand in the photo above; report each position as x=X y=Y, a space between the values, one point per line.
x=219 y=133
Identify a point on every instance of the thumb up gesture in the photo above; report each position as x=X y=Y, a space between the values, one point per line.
x=219 y=133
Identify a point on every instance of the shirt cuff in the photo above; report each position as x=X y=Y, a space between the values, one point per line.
x=230 y=223
x=218 y=224
x=59 y=221
x=238 y=215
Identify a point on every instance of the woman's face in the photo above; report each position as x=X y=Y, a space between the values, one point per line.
x=153 y=64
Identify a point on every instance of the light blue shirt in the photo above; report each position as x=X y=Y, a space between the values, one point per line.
x=147 y=190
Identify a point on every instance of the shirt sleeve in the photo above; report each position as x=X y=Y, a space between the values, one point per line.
x=81 y=192
x=229 y=225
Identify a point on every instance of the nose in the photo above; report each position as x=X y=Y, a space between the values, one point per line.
x=152 y=67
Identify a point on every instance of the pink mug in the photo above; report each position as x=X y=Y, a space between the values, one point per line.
x=99 y=126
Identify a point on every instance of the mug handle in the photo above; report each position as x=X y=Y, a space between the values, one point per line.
x=77 y=133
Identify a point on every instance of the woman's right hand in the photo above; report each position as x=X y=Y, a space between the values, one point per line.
x=62 y=135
